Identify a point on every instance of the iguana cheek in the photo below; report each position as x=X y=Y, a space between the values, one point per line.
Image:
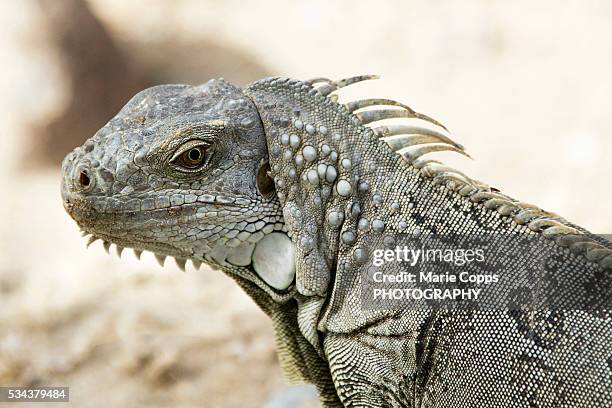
x=273 y=260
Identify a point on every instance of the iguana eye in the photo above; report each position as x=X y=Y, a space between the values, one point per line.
x=192 y=156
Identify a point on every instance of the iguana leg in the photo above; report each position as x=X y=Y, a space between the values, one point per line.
x=371 y=370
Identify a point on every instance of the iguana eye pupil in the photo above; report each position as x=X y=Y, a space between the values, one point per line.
x=193 y=157
x=194 y=154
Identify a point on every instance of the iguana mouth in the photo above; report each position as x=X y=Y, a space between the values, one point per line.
x=136 y=241
x=124 y=229
x=270 y=259
x=277 y=278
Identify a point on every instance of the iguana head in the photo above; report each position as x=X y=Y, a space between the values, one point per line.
x=182 y=171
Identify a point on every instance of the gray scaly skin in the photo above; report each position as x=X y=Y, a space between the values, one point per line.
x=288 y=192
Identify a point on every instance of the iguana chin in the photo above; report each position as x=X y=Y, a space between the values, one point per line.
x=288 y=192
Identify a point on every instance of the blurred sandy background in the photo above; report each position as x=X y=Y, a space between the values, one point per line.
x=526 y=86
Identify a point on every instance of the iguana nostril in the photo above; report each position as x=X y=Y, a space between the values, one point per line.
x=84 y=179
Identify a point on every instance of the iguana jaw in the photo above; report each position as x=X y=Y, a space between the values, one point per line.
x=147 y=229
x=263 y=263
x=112 y=228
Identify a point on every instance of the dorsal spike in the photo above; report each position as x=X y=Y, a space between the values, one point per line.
x=437 y=168
x=341 y=83
x=196 y=264
x=317 y=80
x=412 y=155
x=443 y=177
x=414 y=129
x=106 y=245
x=420 y=163
x=326 y=89
x=364 y=103
x=119 y=250
x=330 y=87
x=400 y=141
x=382 y=114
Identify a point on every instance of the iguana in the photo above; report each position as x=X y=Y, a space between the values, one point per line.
x=289 y=192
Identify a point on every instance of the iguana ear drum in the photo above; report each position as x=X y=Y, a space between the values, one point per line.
x=265 y=184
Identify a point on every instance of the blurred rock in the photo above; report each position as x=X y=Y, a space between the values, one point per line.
x=100 y=79
x=103 y=73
